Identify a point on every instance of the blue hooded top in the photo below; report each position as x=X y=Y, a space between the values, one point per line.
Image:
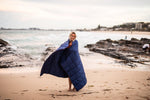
x=65 y=62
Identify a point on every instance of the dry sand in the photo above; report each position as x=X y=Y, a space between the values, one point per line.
x=110 y=83
x=101 y=84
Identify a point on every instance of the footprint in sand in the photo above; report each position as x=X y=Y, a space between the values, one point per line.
x=137 y=81
x=107 y=89
x=129 y=88
x=42 y=89
x=24 y=90
x=54 y=95
x=127 y=97
x=148 y=84
x=7 y=99
x=121 y=84
x=148 y=78
x=90 y=85
x=23 y=76
x=66 y=95
x=89 y=92
x=22 y=93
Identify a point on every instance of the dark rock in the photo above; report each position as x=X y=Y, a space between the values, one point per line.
x=130 y=51
x=89 y=45
x=12 y=58
x=3 y=43
x=47 y=52
x=50 y=49
x=145 y=40
x=134 y=39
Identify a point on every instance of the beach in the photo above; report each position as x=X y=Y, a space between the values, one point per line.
x=102 y=84
x=105 y=81
x=100 y=47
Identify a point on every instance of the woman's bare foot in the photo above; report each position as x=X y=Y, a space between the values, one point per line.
x=73 y=89
x=69 y=89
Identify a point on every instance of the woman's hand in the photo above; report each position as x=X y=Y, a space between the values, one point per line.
x=70 y=44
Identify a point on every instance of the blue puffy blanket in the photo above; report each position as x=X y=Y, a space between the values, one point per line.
x=65 y=62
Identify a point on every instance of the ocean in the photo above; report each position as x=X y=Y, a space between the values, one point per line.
x=34 y=42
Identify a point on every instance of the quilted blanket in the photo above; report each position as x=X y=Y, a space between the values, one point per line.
x=65 y=62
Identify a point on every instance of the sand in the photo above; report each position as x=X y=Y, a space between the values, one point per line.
x=105 y=81
x=101 y=84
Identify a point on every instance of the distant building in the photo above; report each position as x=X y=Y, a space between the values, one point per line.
x=104 y=29
x=34 y=28
x=138 y=26
x=118 y=29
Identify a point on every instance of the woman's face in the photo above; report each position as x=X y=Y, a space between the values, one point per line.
x=72 y=37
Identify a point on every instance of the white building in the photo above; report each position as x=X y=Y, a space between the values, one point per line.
x=138 y=26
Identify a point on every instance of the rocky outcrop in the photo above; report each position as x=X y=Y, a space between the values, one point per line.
x=128 y=51
x=10 y=57
x=49 y=49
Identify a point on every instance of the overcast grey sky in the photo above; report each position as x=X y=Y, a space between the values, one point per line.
x=71 y=14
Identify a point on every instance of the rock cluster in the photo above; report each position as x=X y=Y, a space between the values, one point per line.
x=47 y=52
x=128 y=51
x=10 y=57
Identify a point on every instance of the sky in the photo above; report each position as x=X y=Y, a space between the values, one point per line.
x=71 y=14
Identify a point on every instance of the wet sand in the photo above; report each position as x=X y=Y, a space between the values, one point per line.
x=105 y=81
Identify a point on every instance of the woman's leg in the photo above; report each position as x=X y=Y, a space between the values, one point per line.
x=69 y=84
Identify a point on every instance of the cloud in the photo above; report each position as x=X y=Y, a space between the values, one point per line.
x=72 y=13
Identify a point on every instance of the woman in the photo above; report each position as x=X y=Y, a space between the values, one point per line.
x=65 y=62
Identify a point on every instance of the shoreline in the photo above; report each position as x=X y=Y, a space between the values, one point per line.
x=93 y=61
x=124 y=32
